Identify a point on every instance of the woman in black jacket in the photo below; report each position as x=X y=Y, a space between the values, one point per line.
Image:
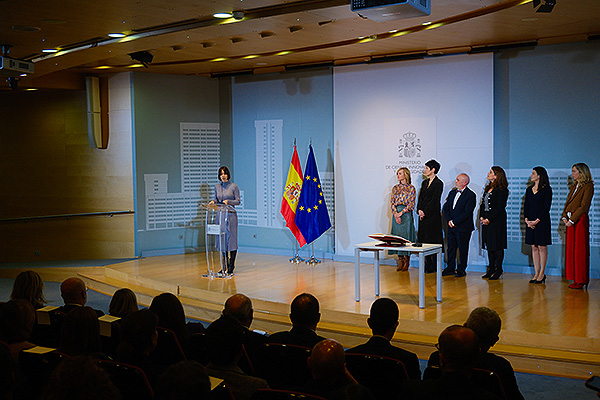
x=430 y=210
x=492 y=213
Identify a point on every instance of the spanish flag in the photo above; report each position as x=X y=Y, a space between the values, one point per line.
x=291 y=194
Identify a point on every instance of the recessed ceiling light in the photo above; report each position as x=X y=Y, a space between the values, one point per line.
x=222 y=15
x=23 y=28
x=49 y=50
x=116 y=35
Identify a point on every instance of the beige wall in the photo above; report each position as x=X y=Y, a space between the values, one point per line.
x=47 y=168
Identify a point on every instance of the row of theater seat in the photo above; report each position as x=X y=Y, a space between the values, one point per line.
x=283 y=366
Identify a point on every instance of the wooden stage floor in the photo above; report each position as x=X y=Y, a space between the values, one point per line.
x=546 y=328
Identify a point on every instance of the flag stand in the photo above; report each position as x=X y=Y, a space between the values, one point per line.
x=296 y=259
x=312 y=260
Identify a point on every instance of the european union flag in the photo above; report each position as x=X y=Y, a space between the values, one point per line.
x=312 y=218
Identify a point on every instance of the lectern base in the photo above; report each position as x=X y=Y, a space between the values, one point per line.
x=219 y=275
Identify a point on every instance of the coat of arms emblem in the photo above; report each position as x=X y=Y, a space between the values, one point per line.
x=409 y=146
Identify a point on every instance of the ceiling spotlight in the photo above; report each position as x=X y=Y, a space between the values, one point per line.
x=295 y=28
x=547 y=7
x=208 y=44
x=222 y=15
x=144 y=57
x=239 y=14
x=236 y=39
x=265 y=34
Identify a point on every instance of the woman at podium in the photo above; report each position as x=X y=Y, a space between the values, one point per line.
x=227 y=192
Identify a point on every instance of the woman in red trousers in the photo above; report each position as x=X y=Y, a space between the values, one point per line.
x=575 y=217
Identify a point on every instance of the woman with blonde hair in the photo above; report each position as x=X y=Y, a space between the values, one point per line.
x=29 y=286
x=402 y=202
x=576 y=219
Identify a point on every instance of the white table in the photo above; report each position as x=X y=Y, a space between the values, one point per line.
x=377 y=246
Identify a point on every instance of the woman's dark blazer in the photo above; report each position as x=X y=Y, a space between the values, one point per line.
x=430 y=227
x=494 y=234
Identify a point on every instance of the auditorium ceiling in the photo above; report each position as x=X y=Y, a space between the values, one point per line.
x=183 y=37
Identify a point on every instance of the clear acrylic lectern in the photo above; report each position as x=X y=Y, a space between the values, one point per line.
x=217 y=216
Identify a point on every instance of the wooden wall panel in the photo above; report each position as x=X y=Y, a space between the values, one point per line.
x=47 y=168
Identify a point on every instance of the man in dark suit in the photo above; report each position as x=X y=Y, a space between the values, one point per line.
x=458 y=351
x=458 y=211
x=74 y=294
x=239 y=307
x=305 y=316
x=383 y=321
x=486 y=324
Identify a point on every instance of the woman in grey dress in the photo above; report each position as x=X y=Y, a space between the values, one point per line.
x=227 y=192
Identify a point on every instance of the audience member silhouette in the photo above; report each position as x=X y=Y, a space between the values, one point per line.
x=16 y=323
x=138 y=339
x=383 y=321
x=459 y=349
x=186 y=380
x=239 y=307
x=305 y=315
x=29 y=285
x=224 y=339
x=74 y=293
x=486 y=324
x=171 y=315
x=80 y=333
x=80 y=378
x=123 y=303
x=327 y=369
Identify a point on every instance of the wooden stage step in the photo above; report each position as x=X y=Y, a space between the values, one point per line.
x=547 y=329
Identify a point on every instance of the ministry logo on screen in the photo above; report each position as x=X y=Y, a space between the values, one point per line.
x=409 y=146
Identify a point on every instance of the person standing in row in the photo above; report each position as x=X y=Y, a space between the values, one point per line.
x=575 y=217
x=227 y=192
x=493 y=220
x=458 y=211
x=429 y=209
x=536 y=210
x=402 y=202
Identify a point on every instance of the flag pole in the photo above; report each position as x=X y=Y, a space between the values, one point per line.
x=296 y=259
x=312 y=261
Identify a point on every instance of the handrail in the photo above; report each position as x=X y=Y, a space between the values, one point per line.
x=67 y=216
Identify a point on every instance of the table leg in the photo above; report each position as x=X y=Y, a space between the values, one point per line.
x=357 y=274
x=376 y=266
x=439 y=276
x=422 y=280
